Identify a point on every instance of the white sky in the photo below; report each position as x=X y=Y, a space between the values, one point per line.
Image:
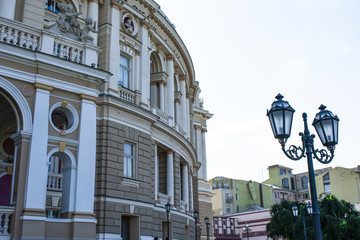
x=245 y=52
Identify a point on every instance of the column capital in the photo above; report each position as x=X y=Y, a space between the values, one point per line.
x=145 y=24
x=170 y=57
x=117 y=5
x=198 y=127
x=204 y=130
x=88 y=97
x=137 y=52
x=169 y=151
x=43 y=86
x=95 y=1
x=183 y=78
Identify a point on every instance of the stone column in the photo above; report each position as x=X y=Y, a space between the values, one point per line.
x=35 y=191
x=170 y=175
x=7 y=9
x=156 y=180
x=187 y=117
x=177 y=109
x=93 y=12
x=145 y=64
x=114 y=61
x=85 y=177
x=162 y=95
x=185 y=185
x=170 y=86
x=191 y=193
x=199 y=150
x=137 y=77
x=183 y=117
x=203 y=145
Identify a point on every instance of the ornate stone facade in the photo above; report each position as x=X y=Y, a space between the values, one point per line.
x=101 y=123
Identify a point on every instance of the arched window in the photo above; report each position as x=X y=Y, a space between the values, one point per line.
x=59 y=195
x=155 y=80
x=304 y=183
x=285 y=183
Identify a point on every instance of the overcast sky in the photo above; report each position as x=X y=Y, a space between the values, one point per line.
x=245 y=52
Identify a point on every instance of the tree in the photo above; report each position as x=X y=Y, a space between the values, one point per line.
x=339 y=220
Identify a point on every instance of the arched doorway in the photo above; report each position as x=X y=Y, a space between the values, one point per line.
x=9 y=125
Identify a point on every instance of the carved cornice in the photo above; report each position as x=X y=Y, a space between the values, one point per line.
x=118 y=5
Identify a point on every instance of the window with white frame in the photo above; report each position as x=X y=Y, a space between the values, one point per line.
x=129 y=160
x=326 y=181
x=125 y=71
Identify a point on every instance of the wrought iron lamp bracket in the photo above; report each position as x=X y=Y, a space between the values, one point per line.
x=322 y=155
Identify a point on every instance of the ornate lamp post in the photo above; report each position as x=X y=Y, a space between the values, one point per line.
x=196 y=216
x=207 y=227
x=296 y=213
x=247 y=229
x=167 y=208
x=326 y=125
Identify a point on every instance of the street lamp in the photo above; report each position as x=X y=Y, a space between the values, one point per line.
x=296 y=213
x=207 y=227
x=326 y=125
x=167 y=208
x=247 y=229
x=196 y=215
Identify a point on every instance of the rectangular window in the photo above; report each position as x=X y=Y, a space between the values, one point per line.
x=124 y=75
x=129 y=160
x=228 y=209
x=326 y=181
x=237 y=196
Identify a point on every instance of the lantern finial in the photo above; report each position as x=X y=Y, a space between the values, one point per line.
x=322 y=107
x=279 y=96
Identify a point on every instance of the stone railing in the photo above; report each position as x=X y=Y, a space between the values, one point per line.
x=42 y=40
x=179 y=129
x=127 y=94
x=55 y=182
x=162 y=116
x=163 y=199
x=5 y=213
x=18 y=34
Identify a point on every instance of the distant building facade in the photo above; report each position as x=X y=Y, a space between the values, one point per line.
x=235 y=196
x=342 y=182
x=101 y=123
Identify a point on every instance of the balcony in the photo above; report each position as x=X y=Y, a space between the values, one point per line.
x=5 y=213
x=41 y=40
x=55 y=182
x=229 y=199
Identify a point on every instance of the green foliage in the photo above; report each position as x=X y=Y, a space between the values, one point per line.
x=339 y=220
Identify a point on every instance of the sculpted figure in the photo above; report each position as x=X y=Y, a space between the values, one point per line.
x=129 y=25
x=70 y=19
x=60 y=19
x=90 y=26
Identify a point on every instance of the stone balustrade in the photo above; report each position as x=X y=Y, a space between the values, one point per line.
x=55 y=182
x=5 y=213
x=18 y=34
x=127 y=94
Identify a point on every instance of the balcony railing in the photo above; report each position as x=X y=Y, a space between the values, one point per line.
x=18 y=34
x=55 y=182
x=5 y=213
x=163 y=116
x=127 y=94
x=229 y=199
x=27 y=37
